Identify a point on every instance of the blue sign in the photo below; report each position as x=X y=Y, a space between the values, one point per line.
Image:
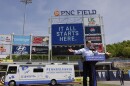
x=21 y=40
x=21 y=49
x=63 y=34
x=95 y=58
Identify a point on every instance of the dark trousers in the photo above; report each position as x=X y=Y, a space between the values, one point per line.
x=89 y=70
x=122 y=80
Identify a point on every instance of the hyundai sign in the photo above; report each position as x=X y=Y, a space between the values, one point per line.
x=64 y=34
x=21 y=49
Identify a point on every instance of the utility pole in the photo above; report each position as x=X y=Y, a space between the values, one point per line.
x=25 y=2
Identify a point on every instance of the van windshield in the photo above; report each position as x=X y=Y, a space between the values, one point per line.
x=12 y=70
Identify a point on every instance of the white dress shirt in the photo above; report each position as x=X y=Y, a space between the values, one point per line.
x=87 y=52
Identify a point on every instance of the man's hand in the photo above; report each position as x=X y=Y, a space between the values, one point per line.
x=70 y=50
x=108 y=53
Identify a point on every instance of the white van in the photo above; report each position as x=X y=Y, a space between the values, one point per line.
x=52 y=74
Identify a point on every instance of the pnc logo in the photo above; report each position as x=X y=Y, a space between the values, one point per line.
x=56 y=13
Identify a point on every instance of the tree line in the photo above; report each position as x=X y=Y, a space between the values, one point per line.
x=120 y=49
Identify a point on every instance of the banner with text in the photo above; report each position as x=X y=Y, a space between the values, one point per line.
x=5 y=49
x=94 y=38
x=40 y=49
x=95 y=58
x=64 y=34
x=20 y=49
x=21 y=40
x=98 y=47
x=40 y=40
x=5 y=39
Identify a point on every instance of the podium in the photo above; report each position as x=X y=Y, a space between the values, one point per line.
x=95 y=58
x=92 y=60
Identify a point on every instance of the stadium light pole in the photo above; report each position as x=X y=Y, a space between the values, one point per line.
x=25 y=2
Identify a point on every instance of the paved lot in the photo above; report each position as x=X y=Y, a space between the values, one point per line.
x=126 y=83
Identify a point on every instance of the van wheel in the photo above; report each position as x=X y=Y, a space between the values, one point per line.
x=53 y=82
x=2 y=79
x=12 y=83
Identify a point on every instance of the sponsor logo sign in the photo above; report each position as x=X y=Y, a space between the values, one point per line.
x=64 y=34
x=40 y=49
x=21 y=40
x=5 y=49
x=98 y=47
x=20 y=49
x=94 y=38
x=37 y=40
x=74 y=12
x=92 y=30
x=95 y=58
x=92 y=21
x=5 y=39
x=40 y=40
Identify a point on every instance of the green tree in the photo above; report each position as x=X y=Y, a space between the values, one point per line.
x=119 y=49
x=111 y=49
x=126 y=52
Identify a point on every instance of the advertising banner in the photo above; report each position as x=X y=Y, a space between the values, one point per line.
x=21 y=40
x=40 y=49
x=98 y=47
x=5 y=39
x=2 y=56
x=20 y=49
x=94 y=38
x=93 y=30
x=64 y=34
x=5 y=49
x=63 y=50
x=92 y=21
x=40 y=40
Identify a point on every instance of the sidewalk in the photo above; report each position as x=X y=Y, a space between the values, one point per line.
x=126 y=83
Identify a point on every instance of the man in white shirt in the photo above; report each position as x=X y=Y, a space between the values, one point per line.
x=88 y=66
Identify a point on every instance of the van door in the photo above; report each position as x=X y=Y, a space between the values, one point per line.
x=12 y=73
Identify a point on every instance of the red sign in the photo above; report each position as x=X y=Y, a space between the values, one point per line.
x=37 y=40
x=2 y=49
x=94 y=38
x=98 y=47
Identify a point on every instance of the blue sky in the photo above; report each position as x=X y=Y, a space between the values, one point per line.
x=115 y=16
